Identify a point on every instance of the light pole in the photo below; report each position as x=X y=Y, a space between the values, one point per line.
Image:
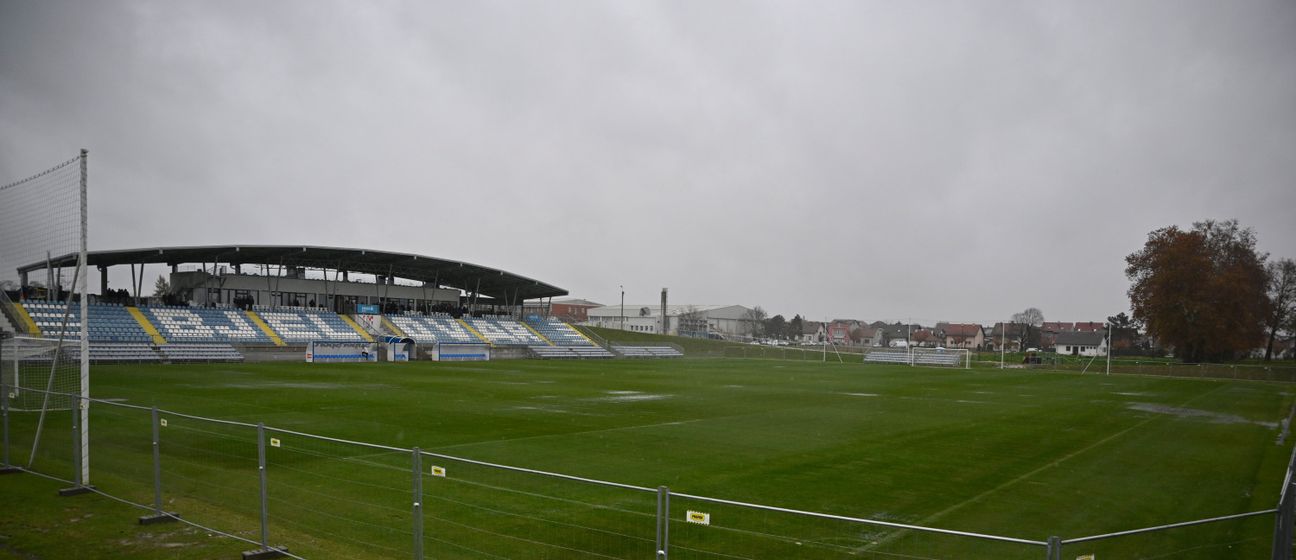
x=622 y=307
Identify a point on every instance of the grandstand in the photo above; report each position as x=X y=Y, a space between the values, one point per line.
x=268 y=299
x=918 y=356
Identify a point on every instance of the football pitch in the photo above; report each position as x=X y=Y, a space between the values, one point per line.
x=1016 y=453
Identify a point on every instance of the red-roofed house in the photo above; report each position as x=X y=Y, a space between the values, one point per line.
x=964 y=335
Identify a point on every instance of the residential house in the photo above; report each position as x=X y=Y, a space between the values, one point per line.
x=1081 y=344
x=868 y=336
x=839 y=331
x=964 y=335
x=1006 y=337
x=813 y=331
x=896 y=334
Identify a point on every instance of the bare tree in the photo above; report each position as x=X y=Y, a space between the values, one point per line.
x=1030 y=320
x=755 y=320
x=1282 y=299
x=692 y=323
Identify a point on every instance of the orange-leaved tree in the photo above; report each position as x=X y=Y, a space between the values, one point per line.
x=1201 y=291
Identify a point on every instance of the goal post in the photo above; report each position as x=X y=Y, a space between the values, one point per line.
x=43 y=234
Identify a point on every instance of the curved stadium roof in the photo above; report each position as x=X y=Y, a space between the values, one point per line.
x=487 y=281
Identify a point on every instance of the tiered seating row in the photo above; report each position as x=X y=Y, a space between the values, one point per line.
x=432 y=329
x=647 y=351
x=104 y=352
x=302 y=325
x=505 y=332
x=919 y=358
x=204 y=324
x=558 y=332
x=121 y=352
x=570 y=352
x=107 y=323
x=200 y=353
x=887 y=357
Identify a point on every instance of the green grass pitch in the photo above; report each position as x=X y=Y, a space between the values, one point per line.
x=1014 y=453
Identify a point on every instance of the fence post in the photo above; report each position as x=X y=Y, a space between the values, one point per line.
x=78 y=481
x=266 y=551
x=417 y=468
x=1283 y=520
x=1054 y=548
x=158 y=516
x=663 y=522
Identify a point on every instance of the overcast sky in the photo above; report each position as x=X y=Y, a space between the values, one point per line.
x=877 y=160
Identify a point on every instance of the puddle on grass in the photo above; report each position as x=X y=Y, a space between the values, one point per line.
x=281 y=385
x=1212 y=417
x=861 y=394
x=630 y=396
x=541 y=409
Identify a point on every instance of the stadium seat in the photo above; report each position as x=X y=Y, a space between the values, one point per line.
x=433 y=329
x=627 y=351
x=302 y=325
x=107 y=322
x=558 y=332
x=185 y=325
x=505 y=331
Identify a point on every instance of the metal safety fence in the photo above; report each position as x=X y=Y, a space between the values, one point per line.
x=292 y=494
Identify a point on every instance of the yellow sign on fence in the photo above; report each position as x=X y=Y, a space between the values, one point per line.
x=698 y=517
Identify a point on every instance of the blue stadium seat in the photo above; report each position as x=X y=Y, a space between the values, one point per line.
x=434 y=328
x=182 y=325
x=301 y=325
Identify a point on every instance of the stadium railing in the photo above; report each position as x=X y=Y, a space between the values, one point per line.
x=301 y=495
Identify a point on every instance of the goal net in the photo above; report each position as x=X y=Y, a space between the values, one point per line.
x=43 y=272
x=39 y=373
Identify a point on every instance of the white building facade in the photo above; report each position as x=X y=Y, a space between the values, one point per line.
x=702 y=321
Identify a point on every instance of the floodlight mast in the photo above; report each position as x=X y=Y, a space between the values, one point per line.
x=622 y=307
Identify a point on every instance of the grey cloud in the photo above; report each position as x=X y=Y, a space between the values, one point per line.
x=877 y=160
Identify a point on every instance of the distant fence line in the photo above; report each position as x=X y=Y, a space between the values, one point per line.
x=1250 y=372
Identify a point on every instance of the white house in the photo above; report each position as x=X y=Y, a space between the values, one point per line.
x=1081 y=343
